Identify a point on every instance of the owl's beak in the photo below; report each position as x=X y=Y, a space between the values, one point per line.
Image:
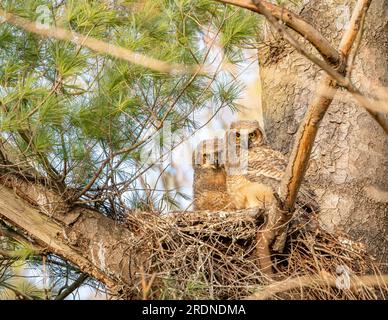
x=254 y=142
x=215 y=165
x=211 y=166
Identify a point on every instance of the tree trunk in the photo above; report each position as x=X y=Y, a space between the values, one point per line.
x=348 y=167
x=92 y=242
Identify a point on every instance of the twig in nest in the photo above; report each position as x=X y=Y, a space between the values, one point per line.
x=319 y=280
x=264 y=240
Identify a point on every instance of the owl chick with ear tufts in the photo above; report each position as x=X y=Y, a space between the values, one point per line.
x=209 y=183
x=254 y=170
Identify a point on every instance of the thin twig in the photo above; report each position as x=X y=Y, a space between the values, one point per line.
x=353 y=56
x=76 y=284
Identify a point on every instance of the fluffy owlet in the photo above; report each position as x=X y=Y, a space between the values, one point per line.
x=254 y=170
x=209 y=182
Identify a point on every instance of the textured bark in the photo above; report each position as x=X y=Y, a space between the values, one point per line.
x=351 y=149
x=328 y=52
x=94 y=243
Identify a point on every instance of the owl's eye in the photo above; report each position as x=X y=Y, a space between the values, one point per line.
x=252 y=135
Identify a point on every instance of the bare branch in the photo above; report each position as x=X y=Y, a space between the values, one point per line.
x=341 y=80
x=296 y=23
x=75 y=285
x=316 y=281
x=273 y=12
x=300 y=154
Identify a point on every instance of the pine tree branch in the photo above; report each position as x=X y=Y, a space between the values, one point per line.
x=99 y=46
x=51 y=171
x=52 y=234
x=17 y=292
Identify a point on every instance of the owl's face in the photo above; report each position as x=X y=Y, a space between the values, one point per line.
x=208 y=155
x=246 y=134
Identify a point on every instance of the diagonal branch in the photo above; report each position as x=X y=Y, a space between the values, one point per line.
x=75 y=285
x=334 y=65
x=296 y=23
x=52 y=234
x=98 y=45
x=316 y=281
x=336 y=72
x=309 y=127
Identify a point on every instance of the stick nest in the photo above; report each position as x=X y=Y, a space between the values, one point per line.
x=207 y=255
